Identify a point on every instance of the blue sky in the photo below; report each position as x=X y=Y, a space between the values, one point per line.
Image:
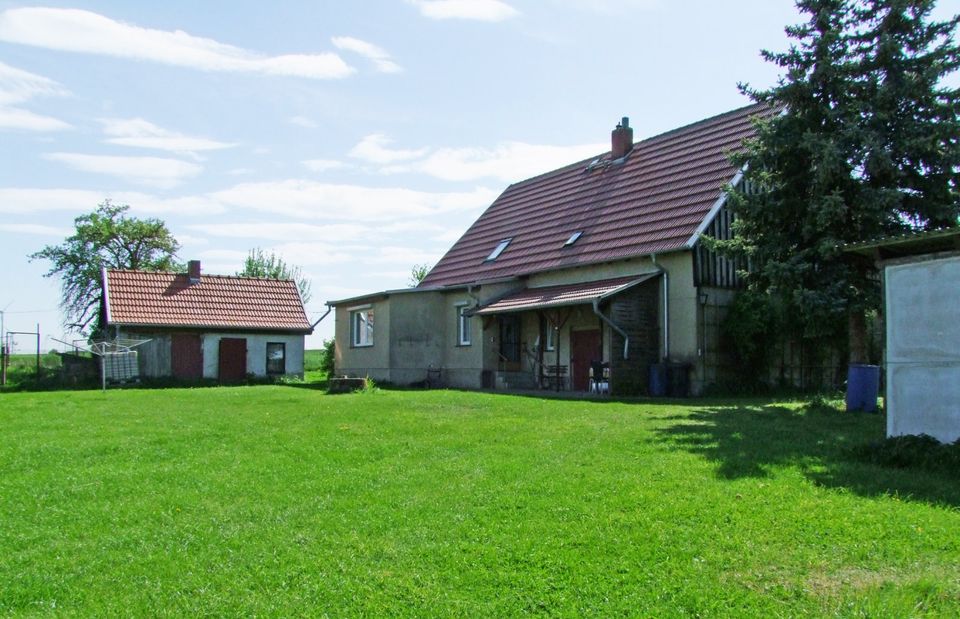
x=355 y=139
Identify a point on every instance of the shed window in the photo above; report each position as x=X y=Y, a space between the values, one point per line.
x=361 y=327
x=573 y=238
x=276 y=358
x=502 y=245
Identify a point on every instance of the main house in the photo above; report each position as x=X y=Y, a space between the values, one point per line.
x=207 y=326
x=596 y=273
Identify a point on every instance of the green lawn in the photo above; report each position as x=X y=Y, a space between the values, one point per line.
x=281 y=500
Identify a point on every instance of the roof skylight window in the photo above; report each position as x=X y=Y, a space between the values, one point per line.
x=502 y=245
x=573 y=238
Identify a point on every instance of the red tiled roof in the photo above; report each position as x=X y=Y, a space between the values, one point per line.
x=560 y=296
x=217 y=301
x=653 y=202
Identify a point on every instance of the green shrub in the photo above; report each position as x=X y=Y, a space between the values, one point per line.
x=329 y=357
x=912 y=451
x=748 y=333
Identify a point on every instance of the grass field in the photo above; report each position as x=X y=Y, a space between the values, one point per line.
x=281 y=500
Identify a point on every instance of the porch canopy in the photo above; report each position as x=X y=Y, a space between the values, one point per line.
x=561 y=296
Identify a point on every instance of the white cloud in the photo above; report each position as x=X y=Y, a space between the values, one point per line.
x=333 y=293
x=322 y=165
x=303 y=121
x=299 y=254
x=27 y=200
x=375 y=149
x=312 y=200
x=38 y=229
x=283 y=231
x=189 y=239
x=140 y=133
x=76 y=30
x=309 y=254
x=393 y=209
x=381 y=59
x=154 y=171
x=224 y=255
x=403 y=255
x=480 y=10
x=509 y=162
x=18 y=86
x=610 y=7
x=16 y=118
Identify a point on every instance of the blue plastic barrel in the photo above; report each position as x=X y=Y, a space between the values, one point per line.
x=658 y=380
x=863 y=387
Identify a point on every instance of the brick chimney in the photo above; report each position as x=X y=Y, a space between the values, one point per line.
x=193 y=271
x=621 y=139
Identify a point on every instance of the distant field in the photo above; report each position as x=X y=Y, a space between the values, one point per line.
x=312 y=359
x=281 y=500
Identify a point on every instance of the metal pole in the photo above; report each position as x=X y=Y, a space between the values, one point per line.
x=103 y=373
x=556 y=344
x=3 y=349
x=38 y=350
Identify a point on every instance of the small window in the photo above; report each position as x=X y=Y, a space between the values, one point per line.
x=463 y=325
x=361 y=327
x=551 y=339
x=573 y=238
x=502 y=245
x=276 y=358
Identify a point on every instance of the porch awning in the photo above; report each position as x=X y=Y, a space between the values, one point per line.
x=562 y=296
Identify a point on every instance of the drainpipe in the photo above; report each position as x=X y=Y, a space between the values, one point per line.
x=608 y=322
x=666 y=306
x=473 y=295
x=327 y=313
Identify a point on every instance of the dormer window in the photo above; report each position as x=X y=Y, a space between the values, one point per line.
x=502 y=245
x=573 y=238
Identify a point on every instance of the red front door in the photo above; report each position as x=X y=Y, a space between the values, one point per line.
x=233 y=359
x=186 y=356
x=584 y=348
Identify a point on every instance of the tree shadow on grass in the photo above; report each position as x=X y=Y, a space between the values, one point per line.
x=821 y=442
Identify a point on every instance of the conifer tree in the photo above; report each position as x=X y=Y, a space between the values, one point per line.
x=865 y=145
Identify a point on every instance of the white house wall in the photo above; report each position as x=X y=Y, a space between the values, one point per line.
x=923 y=348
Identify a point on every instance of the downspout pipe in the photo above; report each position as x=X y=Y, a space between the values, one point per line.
x=473 y=295
x=327 y=313
x=610 y=323
x=666 y=306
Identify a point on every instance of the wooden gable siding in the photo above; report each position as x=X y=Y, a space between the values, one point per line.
x=709 y=267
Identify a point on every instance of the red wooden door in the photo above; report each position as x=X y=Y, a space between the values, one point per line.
x=186 y=356
x=584 y=348
x=233 y=359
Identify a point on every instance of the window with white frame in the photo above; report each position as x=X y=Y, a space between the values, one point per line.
x=463 y=325
x=361 y=327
